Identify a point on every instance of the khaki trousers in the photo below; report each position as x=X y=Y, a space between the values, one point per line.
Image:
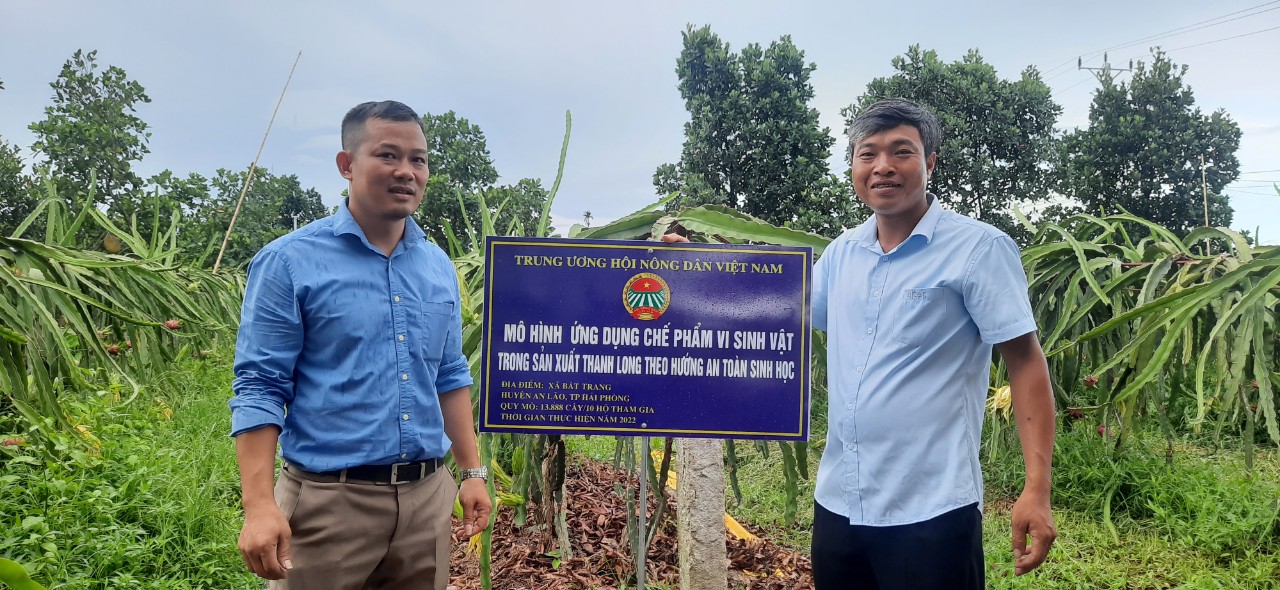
x=359 y=536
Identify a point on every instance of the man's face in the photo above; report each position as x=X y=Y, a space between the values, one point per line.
x=890 y=171
x=388 y=170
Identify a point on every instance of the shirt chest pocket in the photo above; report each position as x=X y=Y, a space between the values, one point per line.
x=436 y=317
x=921 y=312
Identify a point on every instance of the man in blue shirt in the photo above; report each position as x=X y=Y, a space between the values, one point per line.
x=912 y=302
x=349 y=356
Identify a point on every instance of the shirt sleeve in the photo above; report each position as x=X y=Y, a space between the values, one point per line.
x=454 y=369
x=267 y=345
x=995 y=291
x=818 y=289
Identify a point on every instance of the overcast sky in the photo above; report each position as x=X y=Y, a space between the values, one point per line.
x=214 y=71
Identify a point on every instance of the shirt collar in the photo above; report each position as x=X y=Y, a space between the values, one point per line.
x=924 y=228
x=345 y=223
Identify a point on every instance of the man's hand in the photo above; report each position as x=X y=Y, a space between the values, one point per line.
x=1031 y=516
x=674 y=238
x=264 y=542
x=1033 y=410
x=476 y=506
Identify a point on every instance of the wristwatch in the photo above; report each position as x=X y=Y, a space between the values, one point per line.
x=477 y=472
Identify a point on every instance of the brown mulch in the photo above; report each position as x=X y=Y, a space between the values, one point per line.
x=596 y=515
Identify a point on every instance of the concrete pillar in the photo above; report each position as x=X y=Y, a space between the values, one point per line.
x=700 y=514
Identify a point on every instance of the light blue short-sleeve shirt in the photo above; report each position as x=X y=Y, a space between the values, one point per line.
x=909 y=338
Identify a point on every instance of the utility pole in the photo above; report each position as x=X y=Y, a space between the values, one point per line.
x=1204 y=186
x=1106 y=68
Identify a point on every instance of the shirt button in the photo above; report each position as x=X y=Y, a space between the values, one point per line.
x=404 y=455
x=401 y=337
x=869 y=330
x=405 y=376
x=859 y=369
x=875 y=293
x=396 y=299
x=849 y=407
x=404 y=417
x=848 y=447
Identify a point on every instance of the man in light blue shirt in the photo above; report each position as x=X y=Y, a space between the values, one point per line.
x=912 y=302
x=350 y=355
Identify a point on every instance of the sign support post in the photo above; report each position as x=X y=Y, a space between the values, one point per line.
x=700 y=515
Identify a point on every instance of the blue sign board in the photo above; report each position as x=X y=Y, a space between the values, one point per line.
x=645 y=339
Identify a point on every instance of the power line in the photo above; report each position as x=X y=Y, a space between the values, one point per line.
x=1236 y=190
x=1164 y=36
x=1153 y=37
x=1073 y=86
x=1260 y=171
x=1223 y=39
x=1181 y=48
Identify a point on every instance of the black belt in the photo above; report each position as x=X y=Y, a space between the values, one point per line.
x=394 y=474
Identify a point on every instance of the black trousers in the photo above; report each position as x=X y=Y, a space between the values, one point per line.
x=943 y=553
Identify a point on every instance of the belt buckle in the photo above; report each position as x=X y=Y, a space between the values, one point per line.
x=395 y=472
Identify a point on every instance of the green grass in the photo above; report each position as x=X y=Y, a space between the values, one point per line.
x=155 y=505
x=1085 y=556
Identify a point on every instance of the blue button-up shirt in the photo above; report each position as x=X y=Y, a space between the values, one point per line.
x=354 y=344
x=909 y=338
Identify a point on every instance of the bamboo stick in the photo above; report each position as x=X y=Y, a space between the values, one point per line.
x=249 y=179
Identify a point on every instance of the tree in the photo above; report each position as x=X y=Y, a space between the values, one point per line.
x=91 y=131
x=460 y=166
x=271 y=208
x=461 y=172
x=17 y=190
x=830 y=207
x=752 y=142
x=1143 y=147
x=520 y=206
x=998 y=138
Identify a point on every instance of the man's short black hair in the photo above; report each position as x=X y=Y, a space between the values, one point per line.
x=887 y=114
x=353 y=123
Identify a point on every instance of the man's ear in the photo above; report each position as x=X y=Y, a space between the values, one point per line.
x=344 y=164
x=930 y=162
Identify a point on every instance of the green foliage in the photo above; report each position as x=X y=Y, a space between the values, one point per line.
x=1086 y=556
x=1142 y=150
x=1191 y=499
x=91 y=133
x=154 y=503
x=272 y=207
x=73 y=320
x=517 y=454
x=462 y=188
x=1140 y=310
x=518 y=206
x=830 y=207
x=998 y=136
x=17 y=190
x=702 y=224
x=753 y=142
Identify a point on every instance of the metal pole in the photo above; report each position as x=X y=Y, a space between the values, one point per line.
x=642 y=543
